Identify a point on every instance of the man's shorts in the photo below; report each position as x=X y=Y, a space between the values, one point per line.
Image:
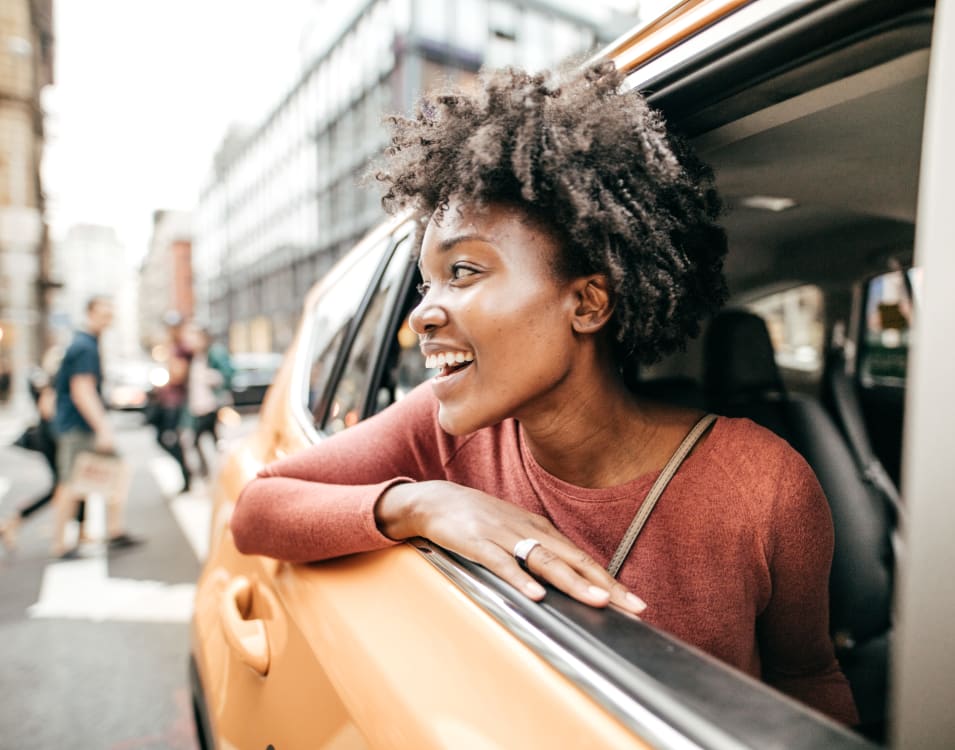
x=69 y=445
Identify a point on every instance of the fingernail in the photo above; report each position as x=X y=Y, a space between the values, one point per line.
x=598 y=592
x=534 y=590
x=636 y=602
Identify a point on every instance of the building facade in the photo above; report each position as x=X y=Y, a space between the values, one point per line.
x=166 y=276
x=91 y=261
x=26 y=66
x=285 y=201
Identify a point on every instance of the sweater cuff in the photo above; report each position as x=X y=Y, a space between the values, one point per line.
x=368 y=511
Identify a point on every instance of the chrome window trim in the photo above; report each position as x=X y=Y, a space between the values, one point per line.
x=655 y=711
x=635 y=716
x=736 y=22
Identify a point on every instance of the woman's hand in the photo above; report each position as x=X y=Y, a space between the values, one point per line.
x=485 y=529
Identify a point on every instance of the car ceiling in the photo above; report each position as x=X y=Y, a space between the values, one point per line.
x=847 y=153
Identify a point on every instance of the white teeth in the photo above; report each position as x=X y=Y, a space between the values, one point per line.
x=435 y=361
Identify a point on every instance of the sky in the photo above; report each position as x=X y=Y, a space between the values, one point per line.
x=145 y=90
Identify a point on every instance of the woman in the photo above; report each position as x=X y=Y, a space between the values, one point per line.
x=569 y=240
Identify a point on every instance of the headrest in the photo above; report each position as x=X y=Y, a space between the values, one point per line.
x=738 y=359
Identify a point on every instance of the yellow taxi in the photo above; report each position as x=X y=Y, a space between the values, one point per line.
x=828 y=126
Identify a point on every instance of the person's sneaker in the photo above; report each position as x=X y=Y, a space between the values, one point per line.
x=71 y=554
x=8 y=533
x=124 y=541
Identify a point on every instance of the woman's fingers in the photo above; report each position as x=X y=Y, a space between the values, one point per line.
x=594 y=573
x=543 y=562
x=503 y=564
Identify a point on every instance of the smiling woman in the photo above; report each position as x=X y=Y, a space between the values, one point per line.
x=570 y=239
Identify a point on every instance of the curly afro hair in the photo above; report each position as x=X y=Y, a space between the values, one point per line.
x=596 y=165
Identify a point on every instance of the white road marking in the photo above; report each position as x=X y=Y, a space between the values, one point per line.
x=167 y=475
x=192 y=510
x=82 y=590
x=194 y=514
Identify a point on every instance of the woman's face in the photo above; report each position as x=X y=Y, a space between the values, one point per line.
x=495 y=319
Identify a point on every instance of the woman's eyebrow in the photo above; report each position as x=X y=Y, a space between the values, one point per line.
x=459 y=238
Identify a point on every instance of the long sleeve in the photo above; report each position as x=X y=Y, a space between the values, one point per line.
x=319 y=503
x=797 y=653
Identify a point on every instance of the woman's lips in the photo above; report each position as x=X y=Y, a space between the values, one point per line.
x=449 y=378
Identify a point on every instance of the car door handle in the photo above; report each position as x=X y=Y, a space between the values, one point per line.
x=246 y=636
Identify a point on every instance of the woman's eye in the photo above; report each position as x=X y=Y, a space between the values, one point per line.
x=423 y=288
x=459 y=271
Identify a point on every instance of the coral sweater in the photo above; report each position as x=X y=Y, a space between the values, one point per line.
x=734 y=559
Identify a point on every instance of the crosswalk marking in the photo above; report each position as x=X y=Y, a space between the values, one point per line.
x=82 y=589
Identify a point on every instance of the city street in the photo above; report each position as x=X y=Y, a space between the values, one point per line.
x=95 y=649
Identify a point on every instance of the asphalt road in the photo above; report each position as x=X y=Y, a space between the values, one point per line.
x=94 y=651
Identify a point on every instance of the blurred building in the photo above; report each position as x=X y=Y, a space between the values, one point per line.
x=91 y=261
x=165 y=277
x=283 y=202
x=26 y=66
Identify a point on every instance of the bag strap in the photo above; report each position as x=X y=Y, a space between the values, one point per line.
x=643 y=512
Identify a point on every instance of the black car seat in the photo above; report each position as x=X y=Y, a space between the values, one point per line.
x=840 y=397
x=741 y=379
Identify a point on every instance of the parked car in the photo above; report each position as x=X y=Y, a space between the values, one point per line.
x=253 y=374
x=812 y=115
x=129 y=384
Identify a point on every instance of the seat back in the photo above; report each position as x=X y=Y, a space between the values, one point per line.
x=741 y=379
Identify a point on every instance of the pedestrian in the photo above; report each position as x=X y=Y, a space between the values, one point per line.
x=82 y=424
x=41 y=438
x=569 y=241
x=170 y=412
x=209 y=376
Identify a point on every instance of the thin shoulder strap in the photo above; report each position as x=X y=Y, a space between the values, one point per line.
x=643 y=512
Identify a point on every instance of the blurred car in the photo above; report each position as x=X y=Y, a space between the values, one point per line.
x=129 y=384
x=253 y=374
x=812 y=115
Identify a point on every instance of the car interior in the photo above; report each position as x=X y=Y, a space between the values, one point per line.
x=817 y=159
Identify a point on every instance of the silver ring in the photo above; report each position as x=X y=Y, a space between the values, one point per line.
x=522 y=549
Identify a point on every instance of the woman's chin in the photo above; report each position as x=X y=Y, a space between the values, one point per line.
x=458 y=421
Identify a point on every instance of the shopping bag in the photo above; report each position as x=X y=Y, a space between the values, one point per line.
x=97 y=474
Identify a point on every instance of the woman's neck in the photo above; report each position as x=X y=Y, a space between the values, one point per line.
x=593 y=436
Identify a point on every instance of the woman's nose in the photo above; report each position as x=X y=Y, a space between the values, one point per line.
x=427 y=316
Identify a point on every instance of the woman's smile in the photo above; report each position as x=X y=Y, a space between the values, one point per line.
x=494 y=317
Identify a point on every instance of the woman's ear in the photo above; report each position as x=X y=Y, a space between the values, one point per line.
x=594 y=303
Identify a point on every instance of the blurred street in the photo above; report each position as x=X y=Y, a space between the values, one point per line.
x=95 y=649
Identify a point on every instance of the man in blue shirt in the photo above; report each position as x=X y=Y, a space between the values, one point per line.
x=82 y=424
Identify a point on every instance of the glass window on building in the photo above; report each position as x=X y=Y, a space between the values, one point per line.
x=470 y=25
x=431 y=19
x=795 y=319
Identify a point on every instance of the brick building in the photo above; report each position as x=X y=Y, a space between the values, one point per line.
x=26 y=66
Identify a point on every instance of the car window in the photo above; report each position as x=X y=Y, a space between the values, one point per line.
x=329 y=321
x=884 y=346
x=345 y=406
x=404 y=366
x=796 y=326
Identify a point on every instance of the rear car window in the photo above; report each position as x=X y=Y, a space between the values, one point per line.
x=796 y=323
x=884 y=345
